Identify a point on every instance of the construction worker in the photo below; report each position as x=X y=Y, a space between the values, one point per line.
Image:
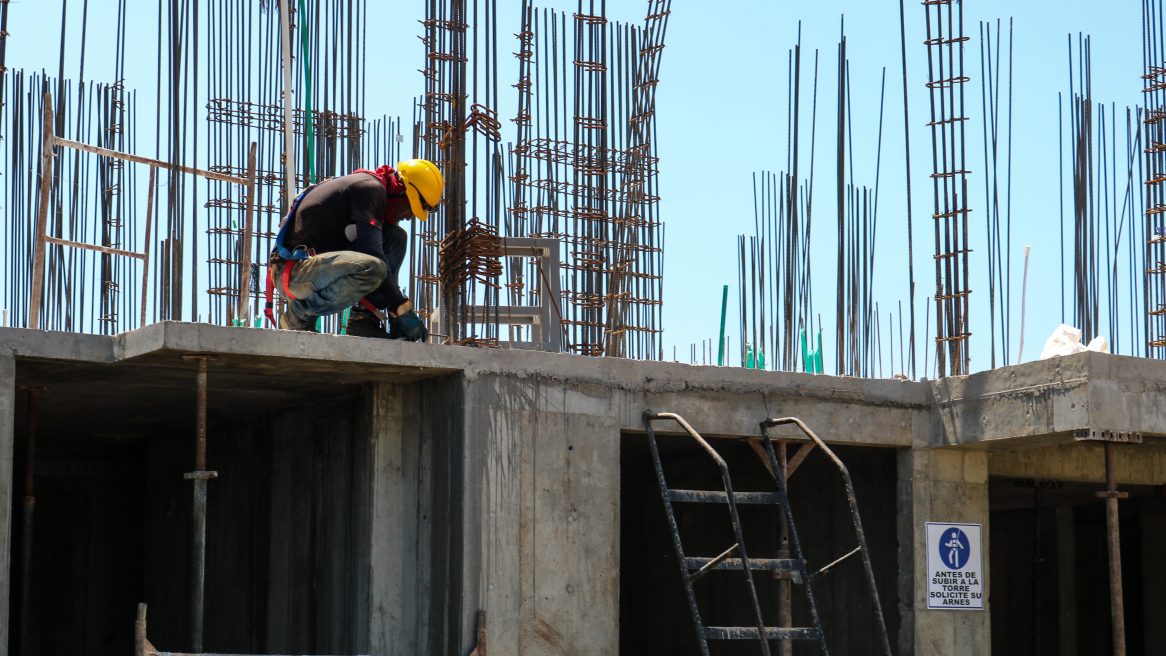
x=341 y=246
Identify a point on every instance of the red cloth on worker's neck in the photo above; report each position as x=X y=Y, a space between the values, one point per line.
x=395 y=200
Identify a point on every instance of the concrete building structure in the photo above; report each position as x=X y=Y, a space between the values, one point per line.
x=374 y=496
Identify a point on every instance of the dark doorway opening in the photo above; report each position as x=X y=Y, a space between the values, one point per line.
x=654 y=613
x=112 y=527
x=85 y=564
x=1049 y=576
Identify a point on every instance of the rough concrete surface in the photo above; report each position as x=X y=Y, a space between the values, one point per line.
x=490 y=479
x=7 y=426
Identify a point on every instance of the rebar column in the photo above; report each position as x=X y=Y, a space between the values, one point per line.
x=198 y=534
x=1113 y=542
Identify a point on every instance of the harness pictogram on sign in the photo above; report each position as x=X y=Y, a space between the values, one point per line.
x=954 y=550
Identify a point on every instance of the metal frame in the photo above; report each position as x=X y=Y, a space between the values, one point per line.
x=545 y=316
x=852 y=502
x=692 y=569
x=50 y=141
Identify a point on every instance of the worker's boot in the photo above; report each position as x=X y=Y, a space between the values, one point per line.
x=289 y=320
x=362 y=323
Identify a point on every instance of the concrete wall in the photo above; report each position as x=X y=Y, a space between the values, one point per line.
x=7 y=426
x=477 y=479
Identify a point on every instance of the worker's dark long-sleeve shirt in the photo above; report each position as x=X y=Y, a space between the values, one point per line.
x=347 y=214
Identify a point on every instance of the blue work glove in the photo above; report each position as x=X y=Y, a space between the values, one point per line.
x=407 y=325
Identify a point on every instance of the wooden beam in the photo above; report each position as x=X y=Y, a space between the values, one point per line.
x=248 y=236
x=105 y=152
x=93 y=247
x=793 y=463
x=42 y=216
x=146 y=249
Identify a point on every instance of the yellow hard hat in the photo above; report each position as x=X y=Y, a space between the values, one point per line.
x=424 y=185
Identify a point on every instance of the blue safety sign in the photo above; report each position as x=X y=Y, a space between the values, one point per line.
x=955 y=579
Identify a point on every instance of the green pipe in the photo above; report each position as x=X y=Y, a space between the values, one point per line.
x=721 y=344
x=309 y=133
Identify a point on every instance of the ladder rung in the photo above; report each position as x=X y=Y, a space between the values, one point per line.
x=755 y=564
x=750 y=633
x=720 y=496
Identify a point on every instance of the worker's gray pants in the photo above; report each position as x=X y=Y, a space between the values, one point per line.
x=329 y=282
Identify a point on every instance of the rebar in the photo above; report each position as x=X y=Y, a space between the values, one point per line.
x=946 y=80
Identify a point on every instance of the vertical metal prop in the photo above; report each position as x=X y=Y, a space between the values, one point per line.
x=1113 y=543
x=198 y=538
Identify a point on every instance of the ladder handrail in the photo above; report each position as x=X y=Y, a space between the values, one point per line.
x=852 y=501
x=649 y=417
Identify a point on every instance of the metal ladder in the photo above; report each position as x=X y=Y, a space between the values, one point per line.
x=792 y=569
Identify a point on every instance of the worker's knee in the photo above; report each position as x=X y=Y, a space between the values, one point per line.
x=369 y=274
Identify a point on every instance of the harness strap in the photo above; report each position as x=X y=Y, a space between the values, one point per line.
x=269 y=289
x=285 y=278
x=289 y=257
x=269 y=296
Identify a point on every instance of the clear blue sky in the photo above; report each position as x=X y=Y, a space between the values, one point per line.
x=722 y=116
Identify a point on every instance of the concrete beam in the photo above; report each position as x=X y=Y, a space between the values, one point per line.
x=1134 y=464
x=1048 y=397
x=1125 y=394
x=732 y=401
x=45 y=344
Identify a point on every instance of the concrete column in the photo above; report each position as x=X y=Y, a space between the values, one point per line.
x=7 y=424
x=398 y=556
x=940 y=485
x=542 y=518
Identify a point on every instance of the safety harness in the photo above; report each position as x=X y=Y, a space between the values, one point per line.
x=289 y=257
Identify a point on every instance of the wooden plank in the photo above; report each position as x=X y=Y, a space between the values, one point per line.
x=94 y=247
x=178 y=168
x=248 y=237
x=146 y=248
x=42 y=216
